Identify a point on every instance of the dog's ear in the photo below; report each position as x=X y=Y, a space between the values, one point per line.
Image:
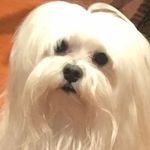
x=103 y=7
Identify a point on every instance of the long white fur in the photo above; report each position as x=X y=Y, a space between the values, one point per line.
x=111 y=109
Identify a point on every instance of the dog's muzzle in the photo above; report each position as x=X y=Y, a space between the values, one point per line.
x=71 y=73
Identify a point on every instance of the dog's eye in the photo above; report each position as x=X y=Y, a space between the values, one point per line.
x=100 y=58
x=61 y=46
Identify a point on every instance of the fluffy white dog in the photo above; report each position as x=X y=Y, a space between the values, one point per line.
x=79 y=80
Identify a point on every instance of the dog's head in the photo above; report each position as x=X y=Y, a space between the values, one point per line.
x=73 y=66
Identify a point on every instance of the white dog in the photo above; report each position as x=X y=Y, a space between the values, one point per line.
x=79 y=80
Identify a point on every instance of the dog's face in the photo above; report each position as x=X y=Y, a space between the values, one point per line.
x=78 y=68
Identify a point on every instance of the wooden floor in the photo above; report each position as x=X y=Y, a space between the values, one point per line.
x=11 y=14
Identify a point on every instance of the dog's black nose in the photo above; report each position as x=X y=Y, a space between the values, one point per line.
x=72 y=73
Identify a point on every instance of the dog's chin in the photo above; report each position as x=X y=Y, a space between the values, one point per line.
x=68 y=88
x=67 y=92
x=64 y=106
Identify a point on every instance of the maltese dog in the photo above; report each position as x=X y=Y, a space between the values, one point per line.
x=79 y=80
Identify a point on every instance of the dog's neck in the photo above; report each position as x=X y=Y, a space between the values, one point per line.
x=62 y=123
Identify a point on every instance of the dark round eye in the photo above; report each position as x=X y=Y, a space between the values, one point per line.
x=100 y=58
x=61 y=46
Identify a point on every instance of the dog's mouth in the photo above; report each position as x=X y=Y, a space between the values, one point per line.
x=68 y=88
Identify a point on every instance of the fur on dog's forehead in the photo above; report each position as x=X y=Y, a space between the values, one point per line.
x=74 y=22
